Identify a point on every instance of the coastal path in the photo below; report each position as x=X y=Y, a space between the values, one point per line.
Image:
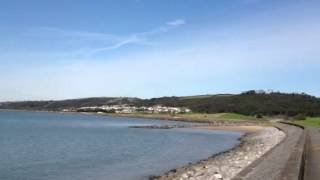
x=283 y=162
x=312 y=163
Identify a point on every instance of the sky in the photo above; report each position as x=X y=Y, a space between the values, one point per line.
x=63 y=49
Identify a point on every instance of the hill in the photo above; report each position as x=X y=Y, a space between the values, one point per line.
x=248 y=103
x=64 y=104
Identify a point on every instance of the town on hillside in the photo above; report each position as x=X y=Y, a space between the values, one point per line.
x=126 y=109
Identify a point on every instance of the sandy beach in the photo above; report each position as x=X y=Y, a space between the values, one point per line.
x=244 y=129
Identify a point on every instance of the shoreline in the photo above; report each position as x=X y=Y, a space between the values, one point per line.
x=256 y=142
x=249 y=129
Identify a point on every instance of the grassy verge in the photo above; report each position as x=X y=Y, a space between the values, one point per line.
x=237 y=116
x=195 y=116
x=314 y=122
x=222 y=116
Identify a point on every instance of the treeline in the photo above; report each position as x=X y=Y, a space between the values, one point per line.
x=67 y=104
x=248 y=103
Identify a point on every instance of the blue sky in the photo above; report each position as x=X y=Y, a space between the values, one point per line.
x=59 y=49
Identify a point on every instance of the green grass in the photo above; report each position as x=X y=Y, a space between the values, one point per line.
x=205 y=96
x=237 y=116
x=225 y=116
x=315 y=122
x=196 y=97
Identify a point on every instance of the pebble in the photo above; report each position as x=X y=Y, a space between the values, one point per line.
x=184 y=176
x=217 y=176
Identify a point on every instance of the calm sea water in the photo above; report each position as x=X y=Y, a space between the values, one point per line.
x=41 y=146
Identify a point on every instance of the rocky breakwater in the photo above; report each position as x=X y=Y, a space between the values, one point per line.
x=160 y=126
x=228 y=164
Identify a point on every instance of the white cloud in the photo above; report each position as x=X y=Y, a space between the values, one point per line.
x=176 y=23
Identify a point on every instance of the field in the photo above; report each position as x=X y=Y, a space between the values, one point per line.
x=315 y=122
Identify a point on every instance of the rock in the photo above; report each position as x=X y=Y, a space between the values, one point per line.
x=189 y=173
x=184 y=176
x=217 y=176
x=152 y=177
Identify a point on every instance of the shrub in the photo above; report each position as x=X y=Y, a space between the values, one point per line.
x=259 y=116
x=299 y=117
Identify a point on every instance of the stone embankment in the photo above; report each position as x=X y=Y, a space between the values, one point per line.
x=228 y=164
x=158 y=126
x=284 y=162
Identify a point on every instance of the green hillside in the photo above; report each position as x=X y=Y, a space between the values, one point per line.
x=249 y=103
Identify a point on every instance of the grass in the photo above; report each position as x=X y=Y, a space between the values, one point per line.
x=205 y=96
x=196 y=97
x=237 y=116
x=226 y=116
x=314 y=121
x=197 y=117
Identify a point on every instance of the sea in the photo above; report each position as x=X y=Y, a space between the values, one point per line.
x=57 y=146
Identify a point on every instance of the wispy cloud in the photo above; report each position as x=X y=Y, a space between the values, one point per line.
x=90 y=43
x=142 y=38
x=176 y=23
x=133 y=39
x=63 y=33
